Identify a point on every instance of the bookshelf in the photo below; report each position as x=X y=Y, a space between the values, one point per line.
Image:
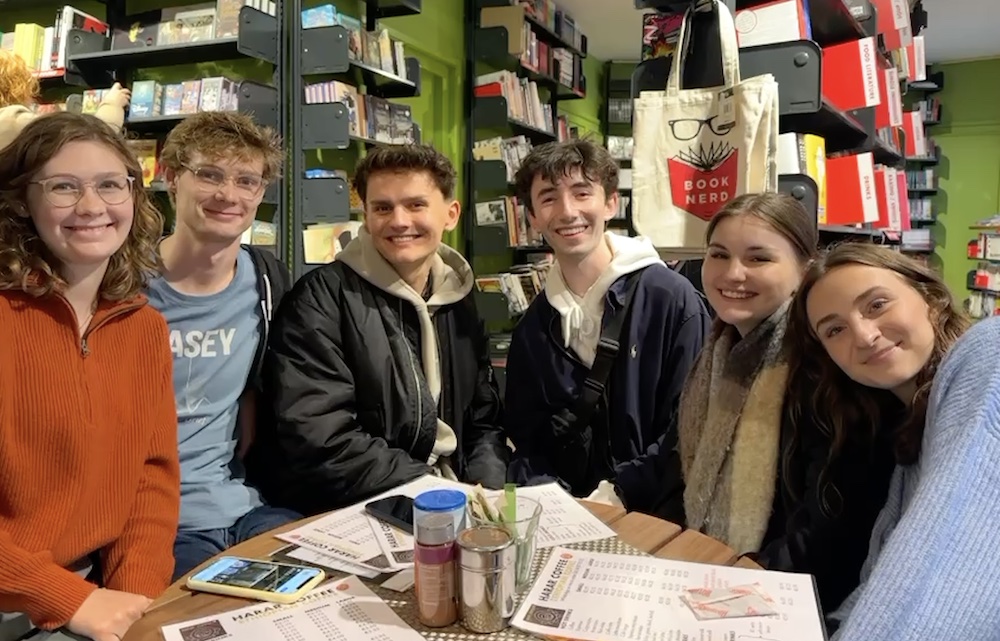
x=173 y=72
x=922 y=172
x=524 y=58
x=346 y=72
x=804 y=107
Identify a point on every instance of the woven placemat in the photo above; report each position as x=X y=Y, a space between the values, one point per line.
x=404 y=606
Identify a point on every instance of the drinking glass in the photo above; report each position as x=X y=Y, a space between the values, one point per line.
x=523 y=529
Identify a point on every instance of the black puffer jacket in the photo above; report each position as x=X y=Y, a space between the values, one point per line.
x=351 y=413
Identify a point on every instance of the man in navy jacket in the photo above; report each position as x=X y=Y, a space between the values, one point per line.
x=628 y=442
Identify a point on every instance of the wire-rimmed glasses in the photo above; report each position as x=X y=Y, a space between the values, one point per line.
x=248 y=186
x=66 y=191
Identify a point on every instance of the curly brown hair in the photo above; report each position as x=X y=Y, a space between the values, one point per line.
x=406 y=158
x=223 y=134
x=25 y=262
x=843 y=409
x=18 y=86
x=553 y=160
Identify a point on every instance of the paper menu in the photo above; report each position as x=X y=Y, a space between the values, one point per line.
x=592 y=596
x=340 y=610
x=563 y=520
x=349 y=534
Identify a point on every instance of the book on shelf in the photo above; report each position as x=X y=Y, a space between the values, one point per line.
x=520 y=285
x=508 y=212
x=521 y=94
x=512 y=151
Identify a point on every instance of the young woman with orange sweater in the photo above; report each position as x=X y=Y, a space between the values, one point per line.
x=89 y=481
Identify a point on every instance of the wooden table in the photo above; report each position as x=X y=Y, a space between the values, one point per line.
x=651 y=535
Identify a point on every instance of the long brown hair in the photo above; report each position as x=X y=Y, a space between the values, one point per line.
x=842 y=408
x=25 y=262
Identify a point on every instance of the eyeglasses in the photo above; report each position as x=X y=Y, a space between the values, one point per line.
x=66 y=191
x=689 y=128
x=248 y=186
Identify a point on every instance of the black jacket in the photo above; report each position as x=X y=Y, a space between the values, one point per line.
x=823 y=526
x=273 y=281
x=350 y=416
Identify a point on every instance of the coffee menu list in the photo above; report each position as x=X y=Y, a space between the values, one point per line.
x=590 y=596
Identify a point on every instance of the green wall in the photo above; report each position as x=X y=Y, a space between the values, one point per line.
x=969 y=175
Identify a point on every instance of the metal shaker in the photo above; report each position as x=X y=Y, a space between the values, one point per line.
x=487 y=578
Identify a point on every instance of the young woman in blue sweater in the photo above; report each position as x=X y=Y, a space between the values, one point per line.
x=875 y=321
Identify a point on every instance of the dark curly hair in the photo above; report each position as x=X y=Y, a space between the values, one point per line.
x=553 y=160
x=25 y=262
x=819 y=389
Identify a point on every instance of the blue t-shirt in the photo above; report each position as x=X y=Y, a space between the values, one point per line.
x=214 y=339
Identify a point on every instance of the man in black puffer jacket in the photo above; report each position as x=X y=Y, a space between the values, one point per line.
x=378 y=370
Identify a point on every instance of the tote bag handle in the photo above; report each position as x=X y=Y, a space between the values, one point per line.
x=727 y=41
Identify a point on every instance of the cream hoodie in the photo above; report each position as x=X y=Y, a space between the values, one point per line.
x=16 y=117
x=581 y=316
x=451 y=281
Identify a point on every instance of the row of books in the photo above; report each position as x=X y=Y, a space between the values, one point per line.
x=987 y=277
x=620 y=147
x=511 y=213
x=921 y=179
x=43 y=47
x=548 y=13
x=520 y=285
x=917 y=240
x=930 y=109
x=620 y=111
x=982 y=304
x=921 y=208
x=512 y=151
x=368 y=116
x=199 y=22
x=374 y=48
x=151 y=99
x=521 y=94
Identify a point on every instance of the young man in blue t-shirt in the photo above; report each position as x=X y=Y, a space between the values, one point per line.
x=217 y=296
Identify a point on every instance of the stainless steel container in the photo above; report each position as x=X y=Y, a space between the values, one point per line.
x=487 y=578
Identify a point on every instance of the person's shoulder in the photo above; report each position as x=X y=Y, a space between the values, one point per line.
x=977 y=350
x=665 y=289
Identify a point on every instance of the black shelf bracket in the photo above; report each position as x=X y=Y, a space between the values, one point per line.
x=325 y=200
x=258 y=35
x=325 y=50
x=492 y=306
x=261 y=101
x=803 y=189
x=491 y=239
x=324 y=126
x=491 y=113
x=490 y=175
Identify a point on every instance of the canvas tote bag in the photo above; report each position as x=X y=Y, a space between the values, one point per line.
x=697 y=149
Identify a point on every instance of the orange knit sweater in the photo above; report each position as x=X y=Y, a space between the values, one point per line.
x=88 y=453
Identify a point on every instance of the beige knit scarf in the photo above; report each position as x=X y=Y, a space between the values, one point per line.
x=729 y=432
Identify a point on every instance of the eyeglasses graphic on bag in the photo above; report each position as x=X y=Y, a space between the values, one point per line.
x=689 y=128
x=248 y=186
x=67 y=191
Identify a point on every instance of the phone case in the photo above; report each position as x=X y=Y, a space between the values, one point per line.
x=258 y=595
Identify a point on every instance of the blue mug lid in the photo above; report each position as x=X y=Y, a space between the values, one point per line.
x=440 y=501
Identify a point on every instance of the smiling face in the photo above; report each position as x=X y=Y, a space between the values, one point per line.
x=406 y=214
x=750 y=270
x=217 y=199
x=87 y=234
x=571 y=213
x=874 y=325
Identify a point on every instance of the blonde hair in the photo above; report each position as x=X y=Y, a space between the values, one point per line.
x=18 y=86
x=25 y=262
x=222 y=134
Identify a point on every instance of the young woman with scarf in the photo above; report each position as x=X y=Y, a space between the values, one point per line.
x=749 y=482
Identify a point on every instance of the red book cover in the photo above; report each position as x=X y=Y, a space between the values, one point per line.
x=889 y=112
x=851 y=196
x=904 y=201
x=916 y=58
x=850 y=74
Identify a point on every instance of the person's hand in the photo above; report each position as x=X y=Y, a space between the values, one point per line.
x=106 y=615
x=118 y=96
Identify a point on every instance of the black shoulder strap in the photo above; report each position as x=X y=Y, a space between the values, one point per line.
x=604 y=360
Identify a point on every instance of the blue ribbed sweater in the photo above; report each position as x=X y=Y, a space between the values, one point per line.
x=933 y=571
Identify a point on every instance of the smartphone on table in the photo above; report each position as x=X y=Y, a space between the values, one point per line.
x=396 y=510
x=257 y=579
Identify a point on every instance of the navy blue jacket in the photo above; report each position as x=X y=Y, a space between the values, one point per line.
x=666 y=329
